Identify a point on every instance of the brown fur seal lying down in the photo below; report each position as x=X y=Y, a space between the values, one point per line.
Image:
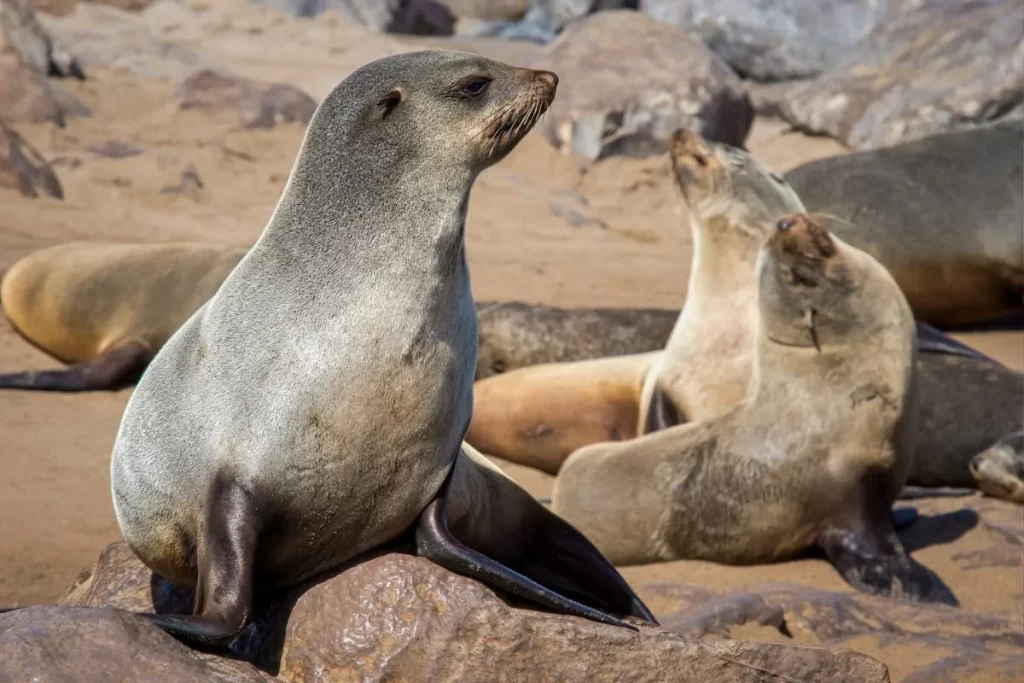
x=944 y=214
x=968 y=401
x=107 y=308
x=315 y=407
x=815 y=456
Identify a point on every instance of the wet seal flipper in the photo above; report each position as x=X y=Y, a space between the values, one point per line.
x=482 y=525
x=118 y=368
x=865 y=549
x=931 y=340
x=662 y=412
x=226 y=555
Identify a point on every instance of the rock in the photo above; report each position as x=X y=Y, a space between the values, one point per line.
x=69 y=644
x=257 y=105
x=944 y=66
x=395 y=617
x=28 y=54
x=545 y=19
x=421 y=17
x=489 y=10
x=981 y=667
x=772 y=40
x=627 y=81
x=23 y=168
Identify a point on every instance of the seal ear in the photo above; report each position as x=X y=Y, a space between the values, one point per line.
x=388 y=103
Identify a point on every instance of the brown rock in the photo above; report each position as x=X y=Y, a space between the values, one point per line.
x=258 y=106
x=28 y=54
x=491 y=10
x=23 y=168
x=627 y=81
x=397 y=617
x=981 y=667
x=69 y=644
x=944 y=66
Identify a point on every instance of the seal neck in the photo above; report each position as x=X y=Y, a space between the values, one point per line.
x=723 y=280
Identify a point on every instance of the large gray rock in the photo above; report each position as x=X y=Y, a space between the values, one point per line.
x=947 y=65
x=395 y=617
x=770 y=40
x=28 y=55
x=424 y=17
x=627 y=81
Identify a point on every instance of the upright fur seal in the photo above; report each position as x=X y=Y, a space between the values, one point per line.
x=815 y=456
x=945 y=215
x=314 y=408
x=107 y=307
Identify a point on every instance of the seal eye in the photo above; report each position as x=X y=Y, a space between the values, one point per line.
x=476 y=87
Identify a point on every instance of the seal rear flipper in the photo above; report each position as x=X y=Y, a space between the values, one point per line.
x=873 y=560
x=226 y=553
x=436 y=542
x=117 y=368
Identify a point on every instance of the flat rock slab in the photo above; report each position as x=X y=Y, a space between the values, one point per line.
x=944 y=66
x=627 y=81
x=398 y=617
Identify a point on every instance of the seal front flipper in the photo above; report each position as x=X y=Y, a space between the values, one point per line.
x=117 y=368
x=872 y=559
x=504 y=538
x=225 y=554
x=931 y=340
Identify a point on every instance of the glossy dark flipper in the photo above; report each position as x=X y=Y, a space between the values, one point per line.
x=223 y=605
x=535 y=568
x=870 y=556
x=662 y=413
x=903 y=518
x=117 y=368
x=931 y=340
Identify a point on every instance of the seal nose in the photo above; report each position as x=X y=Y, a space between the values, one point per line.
x=549 y=77
x=686 y=143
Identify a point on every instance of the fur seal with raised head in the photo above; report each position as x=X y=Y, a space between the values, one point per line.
x=815 y=455
x=315 y=407
x=943 y=213
x=106 y=308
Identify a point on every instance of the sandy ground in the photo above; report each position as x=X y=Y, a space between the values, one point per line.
x=540 y=230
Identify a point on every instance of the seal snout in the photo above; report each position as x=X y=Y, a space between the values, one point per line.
x=548 y=77
x=686 y=145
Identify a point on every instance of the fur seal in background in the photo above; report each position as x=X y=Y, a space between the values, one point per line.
x=539 y=415
x=815 y=456
x=515 y=334
x=944 y=214
x=107 y=308
x=968 y=401
x=315 y=407
x=999 y=470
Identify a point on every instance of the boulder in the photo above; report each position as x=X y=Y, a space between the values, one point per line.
x=28 y=55
x=23 y=168
x=421 y=17
x=488 y=10
x=944 y=66
x=772 y=40
x=395 y=617
x=257 y=105
x=627 y=81
x=545 y=19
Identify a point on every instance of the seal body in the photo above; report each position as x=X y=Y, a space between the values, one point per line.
x=815 y=456
x=316 y=405
x=944 y=214
x=94 y=304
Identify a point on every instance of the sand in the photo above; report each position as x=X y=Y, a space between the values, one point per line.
x=540 y=230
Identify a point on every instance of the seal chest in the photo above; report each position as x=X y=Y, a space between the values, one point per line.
x=316 y=404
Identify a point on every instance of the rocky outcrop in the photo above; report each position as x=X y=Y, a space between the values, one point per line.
x=28 y=55
x=772 y=40
x=397 y=617
x=22 y=168
x=423 y=17
x=627 y=81
x=944 y=66
x=257 y=105
x=545 y=19
x=488 y=10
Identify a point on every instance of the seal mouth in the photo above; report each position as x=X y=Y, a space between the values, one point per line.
x=512 y=122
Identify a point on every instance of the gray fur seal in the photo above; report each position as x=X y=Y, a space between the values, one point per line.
x=815 y=455
x=314 y=408
x=944 y=214
x=107 y=308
